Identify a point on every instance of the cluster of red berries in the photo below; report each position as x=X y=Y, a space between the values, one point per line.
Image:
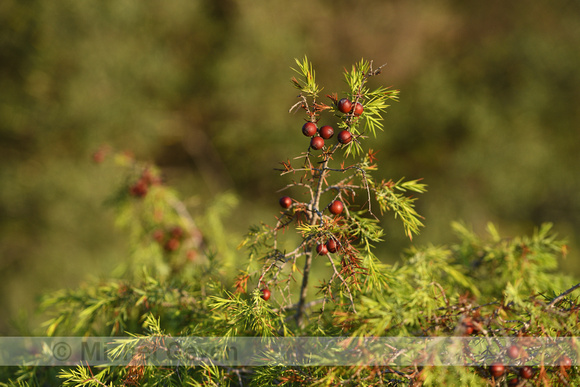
x=346 y=107
x=525 y=372
x=469 y=327
x=317 y=137
x=335 y=208
x=170 y=239
x=498 y=369
x=326 y=132
x=140 y=188
x=331 y=246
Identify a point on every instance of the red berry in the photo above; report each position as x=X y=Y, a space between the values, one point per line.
x=266 y=293
x=513 y=351
x=139 y=189
x=527 y=372
x=358 y=109
x=513 y=382
x=467 y=325
x=177 y=232
x=321 y=249
x=99 y=156
x=344 y=105
x=332 y=245
x=344 y=137
x=172 y=244
x=497 y=370
x=285 y=201
x=191 y=255
x=309 y=129
x=565 y=362
x=158 y=235
x=326 y=132
x=317 y=143
x=336 y=207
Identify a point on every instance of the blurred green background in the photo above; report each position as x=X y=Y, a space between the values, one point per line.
x=489 y=116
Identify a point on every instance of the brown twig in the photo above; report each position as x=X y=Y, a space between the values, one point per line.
x=337 y=274
x=310 y=254
x=564 y=294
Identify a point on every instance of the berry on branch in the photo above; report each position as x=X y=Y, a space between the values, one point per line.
x=285 y=201
x=344 y=137
x=266 y=293
x=336 y=207
x=326 y=132
x=332 y=245
x=344 y=105
x=321 y=249
x=497 y=370
x=317 y=143
x=309 y=129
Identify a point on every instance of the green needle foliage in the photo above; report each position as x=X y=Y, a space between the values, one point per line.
x=307 y=83
x=325 y=179
x=375 y=101
x=318 y=263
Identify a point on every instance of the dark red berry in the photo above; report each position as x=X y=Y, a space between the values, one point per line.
x=177 y=232
x=565 y=362
x=266 y=293
x=527 y=372
x=344 y=105
x=99 y=156
x=358 y=109
x=326 y=132
x=285 y=201
x=321 y=249
x=158 y=235
x=513 y=382
x=191 y=255
x=467 y=326
x=497 y=370
x=172 y=244
x=309 y=129
x=336 y=207
x=344 y=137
x=139 y=189
x=332 y=245
x=317 y=143
x=513 y=351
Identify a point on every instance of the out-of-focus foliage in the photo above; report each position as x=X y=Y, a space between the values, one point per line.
x=495 y=124
x=488 y=114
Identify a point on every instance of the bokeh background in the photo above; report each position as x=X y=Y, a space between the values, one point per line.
x=489 y=116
